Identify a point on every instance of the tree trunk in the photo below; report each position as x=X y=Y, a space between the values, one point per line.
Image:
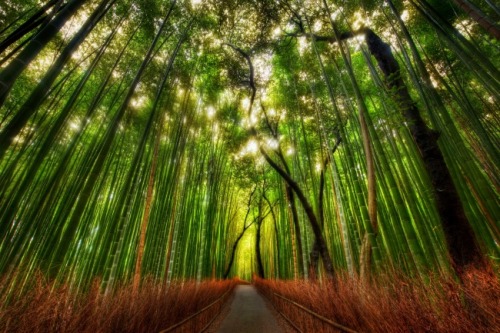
x=275 y=223
x=477 y=15
x=233 y=251
x=145 y=218
x=369 y=241
x=372 y=226
x=365 y=259
x=314 y=255
x=171 y=233
x=260 y=266
x=34 y=21
x=37 y=96
x=323 y=249
x=10 y=74
x=296 y=227
x=461 y=243
x=97 y=166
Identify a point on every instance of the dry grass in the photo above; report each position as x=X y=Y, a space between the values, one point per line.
x=392 y=304
x=46 y=309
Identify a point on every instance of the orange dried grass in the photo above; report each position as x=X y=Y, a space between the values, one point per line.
x=47 y=309
x=392 y=304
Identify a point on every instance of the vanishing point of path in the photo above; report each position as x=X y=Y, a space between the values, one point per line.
x=249 y=313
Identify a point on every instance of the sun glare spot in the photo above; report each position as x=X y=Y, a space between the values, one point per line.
x=276 y=32
x=317 y=26
x=303 y=45
x=211 y=112
x=335 y=14
x=361 y=38
x=254 y=119
x=77 y=55
x=196 y=3
x=245 y=103
x=434 y=82
x=272 y=143
x=138 y=102
x=260 y=161
x=360 y=20
x=405 y=15
x=263 y=68
x=463 y=26
x=217 y=127
x=74 y=24
x=251 y=148
x=74 y=125
x=18 y=139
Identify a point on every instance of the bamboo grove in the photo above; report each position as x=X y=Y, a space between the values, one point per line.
x=208 y=139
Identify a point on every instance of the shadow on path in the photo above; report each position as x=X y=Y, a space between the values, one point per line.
x=249 y=314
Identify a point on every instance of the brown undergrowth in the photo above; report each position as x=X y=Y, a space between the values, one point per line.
x=391 y=304
x=155 y=307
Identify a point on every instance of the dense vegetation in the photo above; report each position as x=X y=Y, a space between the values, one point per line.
x=309 y=139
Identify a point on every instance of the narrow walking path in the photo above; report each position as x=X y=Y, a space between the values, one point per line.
x=249 y=314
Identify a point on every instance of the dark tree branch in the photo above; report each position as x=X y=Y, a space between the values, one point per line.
x=462 y=245
x=235 y=246
x=249 y=204
x=307 y=208
x=251 y=82
x=326 y=161
x=240 y=236
x=327 y=261
x=314 y=255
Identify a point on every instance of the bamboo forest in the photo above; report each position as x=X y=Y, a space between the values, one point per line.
x=339 y=159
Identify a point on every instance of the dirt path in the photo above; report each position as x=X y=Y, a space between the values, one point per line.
x=249 y=314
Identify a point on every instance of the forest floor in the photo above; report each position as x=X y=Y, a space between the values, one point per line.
x=249 y=313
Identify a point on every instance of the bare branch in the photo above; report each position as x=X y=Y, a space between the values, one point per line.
x=251 y=82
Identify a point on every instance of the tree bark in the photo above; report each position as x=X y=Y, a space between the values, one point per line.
x=260 y=266
x=296 y=227
x=461 y=243
x=145 y=218
x=365 y=259
x=477 y=15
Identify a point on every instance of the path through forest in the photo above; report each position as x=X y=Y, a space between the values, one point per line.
x=249 y=313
